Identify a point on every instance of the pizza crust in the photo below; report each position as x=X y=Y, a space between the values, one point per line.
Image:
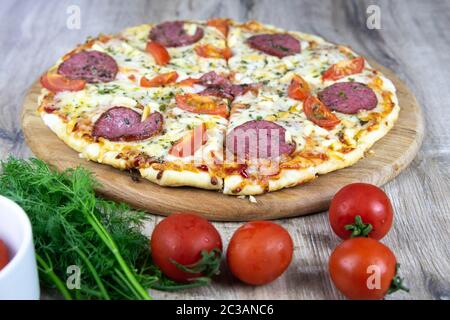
x=93 y=151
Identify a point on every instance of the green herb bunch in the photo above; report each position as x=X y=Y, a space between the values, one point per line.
x=73 y=226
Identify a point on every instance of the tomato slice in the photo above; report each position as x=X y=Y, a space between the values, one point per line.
x=190 y=143
x=210 y=51
x=188 y=82
x=318 y=113
x=223 y=25
x=57 y=83
x=343 y=69
x=159 y=53
x=298 y=89
x=196 y=103
x=160 y=80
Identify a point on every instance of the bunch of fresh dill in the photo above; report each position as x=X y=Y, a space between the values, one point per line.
x=73 y=226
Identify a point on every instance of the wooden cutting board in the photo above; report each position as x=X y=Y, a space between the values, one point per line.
x=391 y=155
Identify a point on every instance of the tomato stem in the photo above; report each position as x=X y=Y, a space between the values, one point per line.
x=208 y=265
x=359 y=228
x=397 y=282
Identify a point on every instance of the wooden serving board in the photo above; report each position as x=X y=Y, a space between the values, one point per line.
x=391 y=155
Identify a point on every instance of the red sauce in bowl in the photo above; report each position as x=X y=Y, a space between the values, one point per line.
x=4 y=255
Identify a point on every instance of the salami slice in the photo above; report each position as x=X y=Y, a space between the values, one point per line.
x=212 y=79
x=279 y=45
x=258 y=139
x=92 y=66
x=172 y=34
x=222 y=87
x=124 y=124
x=348 y=97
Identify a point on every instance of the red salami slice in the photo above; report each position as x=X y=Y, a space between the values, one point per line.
x=92 y=66
x=258 y=139
x=222 y=87
x=124 y=124
x=279 y=45
x=348 y=97
x=172 y=34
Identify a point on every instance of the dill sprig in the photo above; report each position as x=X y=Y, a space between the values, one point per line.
x=73 y=226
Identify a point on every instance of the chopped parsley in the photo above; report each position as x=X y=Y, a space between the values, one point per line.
x=108 y=89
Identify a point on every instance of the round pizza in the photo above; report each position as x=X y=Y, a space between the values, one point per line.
x=244 y=108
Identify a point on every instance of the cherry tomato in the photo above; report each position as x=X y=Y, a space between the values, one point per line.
x=186 y=241
x=319 y=114
x=56 y=83
x=344 y=68
x=368 y=202
x=259 y=252
x=4 y=255
x=190 y=143
x=220 y=24
x=159 y=80
x=298 y=89
x=196 y=103
x=210 y=51
x=159 y=53
x=364 y=269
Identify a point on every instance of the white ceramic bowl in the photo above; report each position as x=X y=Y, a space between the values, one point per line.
x=19 y=278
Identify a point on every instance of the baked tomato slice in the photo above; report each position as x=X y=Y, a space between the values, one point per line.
x=223 y=25
x=56 y=83
x=159 y=53
x=188 y=82
x=160 y=80
x=298 y=89
x=196 y=103
x=190 y=143
x=319 y=114
x=344 y=68
x=210 y=51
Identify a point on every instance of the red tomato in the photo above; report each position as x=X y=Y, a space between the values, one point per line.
x=298 y=89
x=159 y=53
x=4 y=255
x=318 y=113
x=185 y=239
x=196 y=103
x=364 y=200
x=343 y=69
x=159 y=80
x=190 y=143
x=259 y=252
x=210 y=51
x=363 y=269
x=56 y=83
x=220 y=24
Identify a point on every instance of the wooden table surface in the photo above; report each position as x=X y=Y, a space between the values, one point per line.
x=413 y=41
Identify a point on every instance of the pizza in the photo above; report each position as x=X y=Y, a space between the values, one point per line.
x=242 y=108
